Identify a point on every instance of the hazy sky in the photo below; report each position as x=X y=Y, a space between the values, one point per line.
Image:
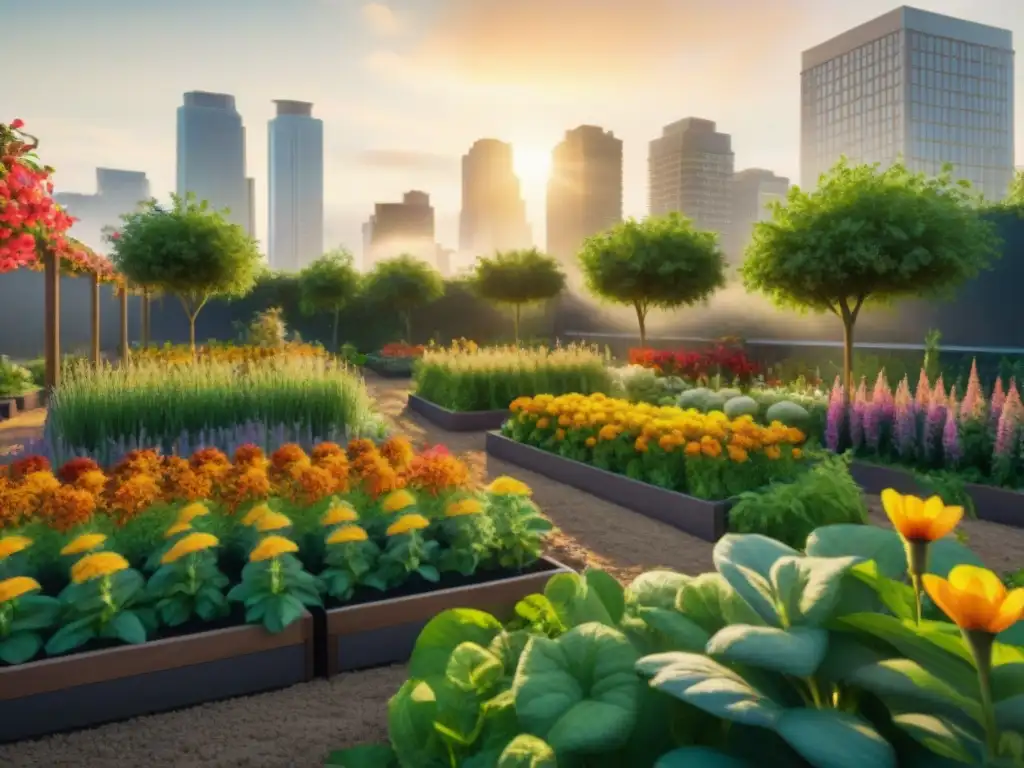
x=404 y=87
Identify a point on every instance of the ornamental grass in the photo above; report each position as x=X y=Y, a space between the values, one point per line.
x=220 y=352
x=465 y=377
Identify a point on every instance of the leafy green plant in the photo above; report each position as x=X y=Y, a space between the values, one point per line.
x=403 y=285
x=327 y=285
x=188 y=582
x=24 y=616
x=267 y=329
x=350 y=558
x=14 y=379
x=789 y=512
x=275 y=588
x=407 y=552
x=520 y=530
x=517 y=278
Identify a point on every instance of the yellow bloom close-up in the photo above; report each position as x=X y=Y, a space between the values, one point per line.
x=192 y=511
x=463 y=507
x=407 y=524
x=97 y=565
x=87 y=542
x=508 y=486
x=17 y=586
x=256 y=513
x=187 y=545
x=398 y=500
x=975 y=599
x=272 y=546
x=918 y=520
x=272 y=521
x=339 y=512
x=10 y=545
x=178 y=527
x=347 y=534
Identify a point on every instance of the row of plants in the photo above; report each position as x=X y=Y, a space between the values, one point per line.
x=15 y=380
x=226 y=352
x=871 y=647
x=394 y=358
x=725 y=360
x=465 y=377
x=162 y=544
x=705 y=455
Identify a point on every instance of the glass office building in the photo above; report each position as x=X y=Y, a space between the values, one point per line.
x=925 y=87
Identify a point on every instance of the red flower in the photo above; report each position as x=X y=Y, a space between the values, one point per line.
x=17 y=123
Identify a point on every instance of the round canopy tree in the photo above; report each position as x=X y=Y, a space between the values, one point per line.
x=403 y=284
x=660 y=262
x=186 y=250
x=518 y=278
x=327 y=285
x=868 y=235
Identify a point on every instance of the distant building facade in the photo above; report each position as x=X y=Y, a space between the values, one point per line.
x=397 y=228
x=296 y=186
x=753 y=192
x=117 y=193
x=584 y=195
x=211 y=154
x=928 y=88
x=493 y=216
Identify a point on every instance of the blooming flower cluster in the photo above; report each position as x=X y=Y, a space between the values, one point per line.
x=727 y=361
x=181 y=354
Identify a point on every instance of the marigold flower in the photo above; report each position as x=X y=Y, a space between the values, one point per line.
x=179 y=526
x=326 y=449
x=435 y=472
x=463 y=507
x=29 y=465
x=508 y=486
x=272 y=521
x=313 y=484
x=287 y=454
x=360 y=447
x=93 y=481
x=975 y=599
x=97 y=565
x=797 y=453
x=272 y=546
x=590 y=442
x=191 y=511
x=84 y=543
x=773 y=452
x=339 y=512
x=398 y=452
x=407 y=524
x=10 y=545
x=919 y=520
x=543 y=423
x=347 y=534
x=253 y=515
x=135 y=494
x=206 y=456
x=737 y=454
x=398 y=500
x=68 y=507
x=16 y=587
x=249 y=455
x=692 y=448
x=187 y=545
x=75 y=468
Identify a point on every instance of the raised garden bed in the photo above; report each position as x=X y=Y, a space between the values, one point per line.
x=86 y=689
x=388 y=371
x=457 y=421
x=381 y=632
x=30 y=400
x=8 y=408
x=997 y=505
x=707 y=520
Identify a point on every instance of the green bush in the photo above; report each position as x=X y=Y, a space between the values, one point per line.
x=789 y=413
x=741 y=406
x=14 y=379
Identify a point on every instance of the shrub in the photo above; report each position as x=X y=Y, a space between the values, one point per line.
x=740 y=406
x=14 y=379
x=789 y=413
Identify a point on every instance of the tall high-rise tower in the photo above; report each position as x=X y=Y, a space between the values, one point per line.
x=296 y=199
x=493 y=216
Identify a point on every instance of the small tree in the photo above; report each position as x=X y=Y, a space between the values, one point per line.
x=518 y=278
x=403 y=284
x=327 y=285
x=657 y=263
x=186 y=250
x=868 y=235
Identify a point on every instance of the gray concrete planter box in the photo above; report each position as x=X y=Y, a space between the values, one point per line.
x=385 y=631
x=386 y=372
x=997 y=505
x=87 y=689
x=707 y=520
x=457 y=421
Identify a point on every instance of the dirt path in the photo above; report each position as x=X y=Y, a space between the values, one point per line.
x=298 y=726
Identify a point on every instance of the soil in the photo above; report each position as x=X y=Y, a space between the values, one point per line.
x=298 y=726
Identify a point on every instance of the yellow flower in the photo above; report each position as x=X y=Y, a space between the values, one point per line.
x=976 y=600
x=737 y=454
x=272 y=546
x=84 y=543
x=590 y=442
x=692 y=448
x=797 y=453
x=194 y=542
x=463 y=507
x=254 y=514
x=543 y=423
x=406 y=524
x=919 y=520
x=16 y=587
x=773 y=452
x=398 y=500
x=11 y=544
x=97 y=565
x=178 y=527
x=339 y=512
x=508 y=486
x=346 y=534
x=272 y=521
x=192 y=511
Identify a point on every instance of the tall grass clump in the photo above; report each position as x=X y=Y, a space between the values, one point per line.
x=158 y=403
x=473 y=378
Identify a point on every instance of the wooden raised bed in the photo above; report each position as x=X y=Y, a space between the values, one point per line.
x=385 y=631
x=457 y=421
x=86 y=689
x=707 y=520
x=30 y=400
x=997 y=505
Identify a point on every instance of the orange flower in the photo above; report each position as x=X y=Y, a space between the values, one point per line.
x=75 y=468
x=94 y=482
x=183 y=483
x=919 y=520
x=976 y=600
x=692 y=449
x=29 y=465
x=244 y=484
x=361 y=447
x=206 y=456
x=249 y=455
x=737 y=454
x=338 y=467
x=135 y=494
x=325 y=450
x=314 y=484
x=286 y=455
x=437 y=472
x=398 y=452
x=590 y=442
x=146 y=461
x=379 y=478
x=68 y=507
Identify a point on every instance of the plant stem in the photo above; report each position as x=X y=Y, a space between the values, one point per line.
x=916 y=583
x=812 y=686
x=917 y=566
x=980 y=645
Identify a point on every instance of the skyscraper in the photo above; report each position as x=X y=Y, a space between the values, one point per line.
x=930 y=88
x=117 y=192
x=296 y=199
x=211 y=153
x=753 y=191
x=690 y=171
x=585 y=190
x=493 y=216
x=400 y=228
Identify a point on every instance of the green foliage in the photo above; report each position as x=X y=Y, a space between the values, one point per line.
x=23 y=621
x=657 y=263
x=789 y=413
x=186 y=250
x=403 y=285
x=789 y=512
x=327 y=285
x=276 y=591
x=108 y=607
x=517 y=278
x=190 y=587
x=14 y=379
x=267 y=329
x=741 y=405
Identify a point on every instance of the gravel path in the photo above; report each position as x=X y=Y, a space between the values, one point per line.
x=298 y=726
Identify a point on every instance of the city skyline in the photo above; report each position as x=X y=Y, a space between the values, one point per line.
x=295 y=167
x=423 y=64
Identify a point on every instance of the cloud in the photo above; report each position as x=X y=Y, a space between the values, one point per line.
x=383 y=62
x=381 y=19
x=407 y=160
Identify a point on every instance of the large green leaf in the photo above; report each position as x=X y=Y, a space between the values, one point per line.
x=411 y=714
x=526 y=751
x=942 y=737
x=710 y=686
x=609 y=591
x=827 y=738
x=1007 y=681
x=679 y=632
x=656 y=589
x=444 y=633
x=579 y=692
x=699 y=757
x=885 y=547
x=746 y=560
x=1010 y=713
x=475 y=669
x=896 y=596
x=910 y=682
x=575 y=602
x=20 y=647
x=796 y=651
x=363 y=756
x=709 y=601
x=807 y=588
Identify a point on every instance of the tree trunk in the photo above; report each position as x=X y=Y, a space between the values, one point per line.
x=848 y=322
x=334 y=333
x=125 y=348
x=408 y=327
x=146 y=314
x=51 y=302
x=641 y=318
x=95 y=319
x=515 y=322
x=192 y=332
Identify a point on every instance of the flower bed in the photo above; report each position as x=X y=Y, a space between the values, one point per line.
x=725 y=362
x=220 y=352
x=161 y=547
x=394 y=361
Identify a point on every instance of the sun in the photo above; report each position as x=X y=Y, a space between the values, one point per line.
x=532 y=166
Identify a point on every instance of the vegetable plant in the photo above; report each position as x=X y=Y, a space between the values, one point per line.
x=24 y=615
x=350 y=557
x=275 y=588
x=188 y=582
x=407 y=552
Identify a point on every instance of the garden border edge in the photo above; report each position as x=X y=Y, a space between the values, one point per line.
x=457 y=421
